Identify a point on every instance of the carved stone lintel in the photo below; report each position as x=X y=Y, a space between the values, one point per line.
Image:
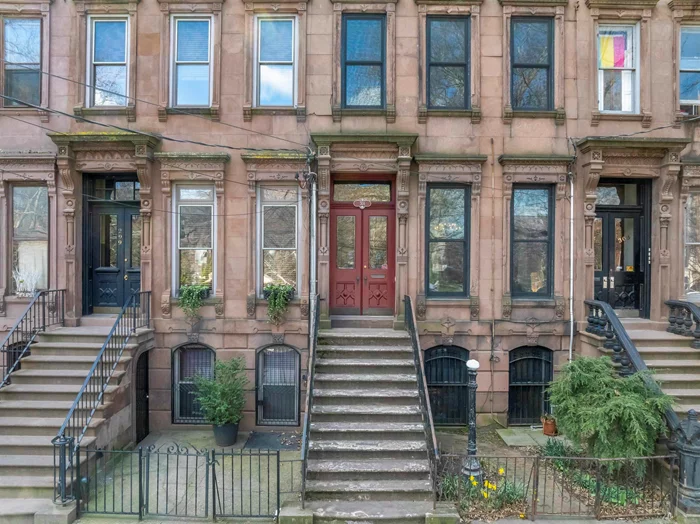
x=278 y=338
x=446 y=340
x=420 y=307
x=250 y=305
x=474 y=307
x=507 y=307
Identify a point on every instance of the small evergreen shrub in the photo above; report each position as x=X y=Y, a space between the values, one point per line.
x=222 y=397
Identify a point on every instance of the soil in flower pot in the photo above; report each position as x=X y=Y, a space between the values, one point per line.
x=226 y=435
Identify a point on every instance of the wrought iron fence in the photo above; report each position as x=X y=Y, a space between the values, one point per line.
x=532 y=486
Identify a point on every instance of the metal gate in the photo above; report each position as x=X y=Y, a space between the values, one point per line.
x=530 y=373
x=278 y=386
x=446 y=375
x=142 y=413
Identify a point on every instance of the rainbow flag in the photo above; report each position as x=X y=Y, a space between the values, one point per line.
x=612 y=50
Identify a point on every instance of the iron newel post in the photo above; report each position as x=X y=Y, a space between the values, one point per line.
x=687 y=444
x=471 y=467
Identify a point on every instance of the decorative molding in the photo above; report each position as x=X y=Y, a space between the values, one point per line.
x=506 y=307
x=421 y=307
x=474 y=308
x=250 y=305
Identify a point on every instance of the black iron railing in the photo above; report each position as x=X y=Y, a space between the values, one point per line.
x=684 y=319
x=314 y=317
x=426 y=412
x=603 y=322
x=135 y=314
x=46 y=309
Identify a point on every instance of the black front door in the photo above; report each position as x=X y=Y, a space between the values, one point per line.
x=114 y=260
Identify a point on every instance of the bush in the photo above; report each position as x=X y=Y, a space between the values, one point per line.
x=278 y=298
x=609 y=416
x=222 y=397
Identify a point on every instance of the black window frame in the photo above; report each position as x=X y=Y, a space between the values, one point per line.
x=176 y=379
x=466 y=240
x=549 y=66
x=345 y=62
x=259 y=385
x=550 y=242
x=467 y=63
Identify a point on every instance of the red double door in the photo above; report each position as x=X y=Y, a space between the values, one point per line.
x=362 y=257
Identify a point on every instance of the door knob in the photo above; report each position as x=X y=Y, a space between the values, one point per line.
x=126 y=277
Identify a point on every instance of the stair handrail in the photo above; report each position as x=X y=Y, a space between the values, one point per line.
x=603 y=322
x=424 y=396
x=682 y=315
x=46 y=309
x=314 y=317
x=135 y=314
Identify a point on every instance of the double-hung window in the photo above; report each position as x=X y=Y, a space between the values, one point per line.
x=21 y=61
x=692 y=244
x=447 y=240
x=690 y=69
x=191 y=77
x=275 y=56
x=532 y=237
x=532 y=67
x=363 y=61
x=195 y=214
x=107 y=75
x=278 y=238
x=617 y=68
x=30 y=238
x=448 y=62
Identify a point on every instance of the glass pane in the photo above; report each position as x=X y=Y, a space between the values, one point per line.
x=135 y=240
x=192 y=85
x=110 y=83
x=345 y=242
x=22 y=83
x=195 y=227
x=279 y=227
x=23 y=40
x=378 y=254
x=192 y=41
x=530 y=262
x=30 y=212
x=616 y=194
x=446 y=213
x=692 y=269
x=196 y=267
x=280 y=193
x=598 y=244
x=276 y=44
x=124 y=190
x=371 y=192
x=195 y=362
x=446 y=267
x=615 y=47
x=624 y=245
x=530 y=214
x=196 y=193
x=363 y=85
x=110 y=41
x=690 y=86
x=530 y=88
x=618 y=90
x=363 y=41
x=448 y=40
x=447 y=86
x=692 y=218
x=279 y=267
x=108 y=241
x=531 y=42
x=276 y=85
x=690 y=47
x=30 y=265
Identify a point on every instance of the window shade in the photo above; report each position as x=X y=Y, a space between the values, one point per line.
x=193 y=41
x=110 y=41
x=276 y=40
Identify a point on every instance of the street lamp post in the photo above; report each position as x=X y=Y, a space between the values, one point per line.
x=470 y=466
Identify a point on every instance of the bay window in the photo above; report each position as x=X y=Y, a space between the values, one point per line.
x=195 y=224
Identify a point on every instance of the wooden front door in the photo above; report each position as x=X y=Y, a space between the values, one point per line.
x=362 y=232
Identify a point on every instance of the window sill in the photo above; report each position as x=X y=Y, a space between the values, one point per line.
x=128 y=111
x=534 y=302
x=299 y=112
x=14 y=299
x=424 y=112
x=24 y=111
x=644 y=118
x=558 y=115
x=211 y=112
x=448 y=301
x=388 y=112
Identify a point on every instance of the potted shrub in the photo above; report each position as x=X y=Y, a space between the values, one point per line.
x=222 y=397
x=549 y=425
x=278 y=297
x=191 y=299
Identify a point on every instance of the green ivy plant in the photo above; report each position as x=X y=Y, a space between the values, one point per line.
x=191 y=301
x=222 y=397
x=278 y=298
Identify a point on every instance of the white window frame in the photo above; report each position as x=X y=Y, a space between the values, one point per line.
x=694 y=296
x=90 y=63
x=635 y=68
x=176 y=232
x=693 y=29
x=260 y=205
x=174 y=63
x=256 y=57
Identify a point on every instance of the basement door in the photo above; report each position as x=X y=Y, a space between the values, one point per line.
x=362 y=238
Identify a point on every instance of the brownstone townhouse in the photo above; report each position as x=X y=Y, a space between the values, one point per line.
x=498 y=162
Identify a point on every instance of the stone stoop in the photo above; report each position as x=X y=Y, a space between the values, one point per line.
x=35 y=404
x=368 y=460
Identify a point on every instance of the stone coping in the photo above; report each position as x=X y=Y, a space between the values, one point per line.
x=174 y=155
x=401 y=139
x=535 y=159
x=638 y=142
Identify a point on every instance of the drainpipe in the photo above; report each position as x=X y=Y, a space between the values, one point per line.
x=312 y=239
x=571 y=265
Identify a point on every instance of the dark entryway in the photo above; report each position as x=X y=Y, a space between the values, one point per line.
x=142 y=415
x=113 y=243
x=447 y=378
x=530 y=372
x=622 y=242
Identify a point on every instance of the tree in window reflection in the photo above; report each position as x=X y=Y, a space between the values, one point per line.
x=692 y=247
x=22 y=56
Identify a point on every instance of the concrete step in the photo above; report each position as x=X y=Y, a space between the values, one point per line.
x=46 y=392
x=365 y=352
x=652 y=338
x=374 y=512
x=677 y=380
x=70 y=349
x=38 y=426
x=370 y=489
x=39 y=408
x=667 y=353
x=98 y=320
x=352 y=381
x=363 y=337
x=683 y=396
x=68 y=362
x=366 y=413
x=80 y=334
x=378 y=431
x=20 y=487
x=368 y=470
x=36 y=445
x=368 y=450
x=26 y=465
x=385 y=396
x=57 y=377
x=683 y=408
x=371 y=367
x=678 y=366
x=362 y=321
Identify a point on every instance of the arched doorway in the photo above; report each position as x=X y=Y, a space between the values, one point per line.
x=447 y=378
x=142 y=406
x=277 y=385
x=530 y=372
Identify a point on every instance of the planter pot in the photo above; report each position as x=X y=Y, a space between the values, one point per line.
x=549 y=427
x=290 y=295
x=226 y=435
x=205 y=293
